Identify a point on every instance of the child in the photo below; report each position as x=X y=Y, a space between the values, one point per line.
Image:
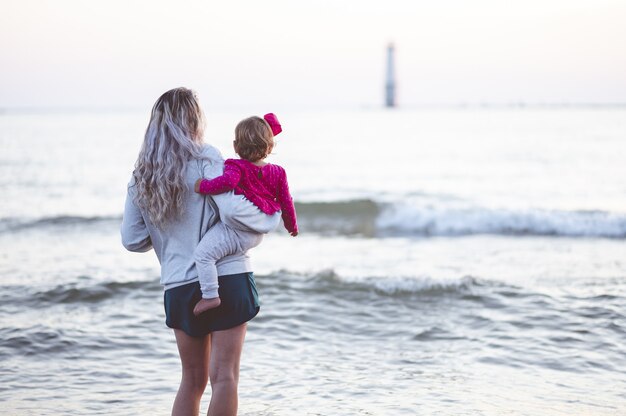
x=261 y=183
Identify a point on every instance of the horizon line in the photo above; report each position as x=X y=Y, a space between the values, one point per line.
x=458 y=105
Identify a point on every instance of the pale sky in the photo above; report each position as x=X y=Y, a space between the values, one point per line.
x=321 y=54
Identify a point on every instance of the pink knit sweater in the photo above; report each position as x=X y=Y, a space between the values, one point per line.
x=264 y=186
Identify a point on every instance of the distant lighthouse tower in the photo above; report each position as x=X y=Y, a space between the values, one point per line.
x=390 y=83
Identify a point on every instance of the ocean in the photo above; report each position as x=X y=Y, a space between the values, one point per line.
x=451 y=261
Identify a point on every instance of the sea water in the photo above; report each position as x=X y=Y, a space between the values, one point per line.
x=450 y=262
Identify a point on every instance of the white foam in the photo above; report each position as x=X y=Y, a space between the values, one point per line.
x=454 y=220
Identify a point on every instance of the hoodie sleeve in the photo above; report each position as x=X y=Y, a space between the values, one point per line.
x=135 y=236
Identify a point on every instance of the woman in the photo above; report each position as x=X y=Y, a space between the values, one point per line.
x=163 y=212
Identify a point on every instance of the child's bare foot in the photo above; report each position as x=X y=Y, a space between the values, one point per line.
x=206 y=304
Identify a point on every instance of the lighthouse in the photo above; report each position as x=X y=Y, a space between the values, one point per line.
x=390 y=83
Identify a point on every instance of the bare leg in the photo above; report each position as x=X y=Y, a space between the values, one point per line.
x=226 y=349
x=195 y=356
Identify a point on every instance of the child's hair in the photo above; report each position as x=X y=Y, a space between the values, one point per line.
x=253 y=139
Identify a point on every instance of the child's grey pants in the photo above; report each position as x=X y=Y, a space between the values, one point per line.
x=241 y=228
x=218 y=242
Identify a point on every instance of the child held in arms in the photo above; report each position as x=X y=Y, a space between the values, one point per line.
x=260 y=183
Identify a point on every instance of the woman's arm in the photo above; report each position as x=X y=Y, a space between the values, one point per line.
x=135 y=236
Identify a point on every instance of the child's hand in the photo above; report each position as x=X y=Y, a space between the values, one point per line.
x=293 y=233
x=196 y=186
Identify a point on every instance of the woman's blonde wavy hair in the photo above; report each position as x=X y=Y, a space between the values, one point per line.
x=173 y=137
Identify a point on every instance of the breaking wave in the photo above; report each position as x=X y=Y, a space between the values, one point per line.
x=12 y=224
x=373 y=219
x=474 y=220
x=74 y=293
x=399 y=285
x=369 y=218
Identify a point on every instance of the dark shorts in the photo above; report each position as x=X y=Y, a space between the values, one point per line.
x=240 y=303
